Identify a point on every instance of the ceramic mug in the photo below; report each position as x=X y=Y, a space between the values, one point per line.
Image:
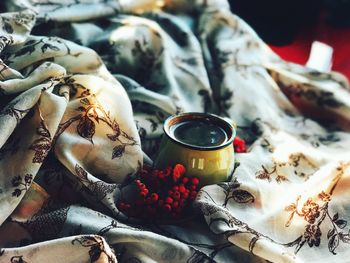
x=211 y=163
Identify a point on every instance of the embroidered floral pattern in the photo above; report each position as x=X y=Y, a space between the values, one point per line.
x=91 y=113
x=21 y=184
x=177 y=71
x=295 y=161
x=266 y=174
x=42 y=145
x=315 y=212
x=97 y=247
x=232 y=191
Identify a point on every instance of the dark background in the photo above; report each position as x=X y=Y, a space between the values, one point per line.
x=279 y=21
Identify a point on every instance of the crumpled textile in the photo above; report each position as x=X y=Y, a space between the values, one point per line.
x=85 y=87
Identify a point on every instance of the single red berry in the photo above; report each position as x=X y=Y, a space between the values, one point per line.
x=143 y=194
x=141 y=186
x=193 y=187
x=145 y=190
x=175 y=188
x=167 y=207
x=169 y=200
x=185 y=195
x=182 y=188
x=195 y=181
x=154 y=197
x=178 y=171
x=185 y=180
x=176 y=204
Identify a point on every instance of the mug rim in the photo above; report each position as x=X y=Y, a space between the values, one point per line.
x=228 y=127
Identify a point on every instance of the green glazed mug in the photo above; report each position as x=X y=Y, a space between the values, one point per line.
x=208 y=158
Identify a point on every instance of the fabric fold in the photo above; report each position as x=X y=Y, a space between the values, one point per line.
x=85 y=88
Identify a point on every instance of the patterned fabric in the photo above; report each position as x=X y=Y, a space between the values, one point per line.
x=85 y=87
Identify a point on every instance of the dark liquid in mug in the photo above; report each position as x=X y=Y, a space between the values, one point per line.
x=199 y=133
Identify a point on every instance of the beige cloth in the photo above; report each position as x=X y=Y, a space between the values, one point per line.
x=67 y=126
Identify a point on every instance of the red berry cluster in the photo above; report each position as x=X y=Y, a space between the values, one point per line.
x=239 y=145
x=161 y=194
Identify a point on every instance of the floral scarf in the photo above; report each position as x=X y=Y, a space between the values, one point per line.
x=85 y=88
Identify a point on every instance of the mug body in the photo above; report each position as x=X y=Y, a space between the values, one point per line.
x=211 y=164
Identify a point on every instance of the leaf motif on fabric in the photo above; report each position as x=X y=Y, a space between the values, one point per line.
x=229 y=185
x=21 y=184
x=330 y=233
x=17 y=259
x=315 y=212
x=96 y=245
x=118 y=151
x=27 y=50
x=16 y=181
x=242 y=196
x=95 y=253
x=16 y=193
x=86 y=128
x=252 y=243
x=333 y=243
x=93 y=114
x=115 y=127
x=341 y=223
x=113 y=137
x=42 y=145
x=107 y=228
x=48 y=46
x=154 y=124
x=206 y=101
x=29 y=42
